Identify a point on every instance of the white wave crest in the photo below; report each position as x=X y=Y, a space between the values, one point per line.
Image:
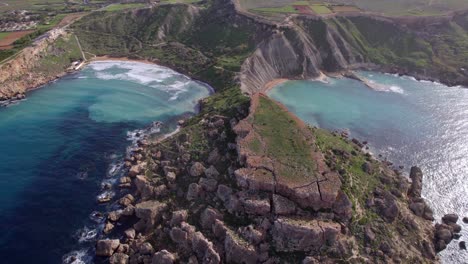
x=152 y=75
x=77 y=257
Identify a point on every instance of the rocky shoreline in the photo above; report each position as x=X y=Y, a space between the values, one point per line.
x=186 y=208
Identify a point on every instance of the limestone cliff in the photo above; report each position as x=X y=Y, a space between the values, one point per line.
x=18 y=76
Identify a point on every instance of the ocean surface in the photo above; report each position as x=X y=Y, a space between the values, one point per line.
x=409 y=122
x=68 y=138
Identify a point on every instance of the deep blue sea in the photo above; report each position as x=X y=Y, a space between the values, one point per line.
x=409 y=122
x=59 y=145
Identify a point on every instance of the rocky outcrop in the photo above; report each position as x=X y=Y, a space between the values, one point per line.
x=303 y=235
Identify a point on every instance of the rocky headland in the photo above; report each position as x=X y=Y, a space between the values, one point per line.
x=220 y=191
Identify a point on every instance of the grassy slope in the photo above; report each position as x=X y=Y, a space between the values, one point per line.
x=282 y=140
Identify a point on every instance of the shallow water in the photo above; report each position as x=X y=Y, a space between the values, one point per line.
x=409 y=122
x=59 y=145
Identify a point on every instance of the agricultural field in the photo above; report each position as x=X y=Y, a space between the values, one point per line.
x=8 y=38
x=118 y=7
x=386 y=7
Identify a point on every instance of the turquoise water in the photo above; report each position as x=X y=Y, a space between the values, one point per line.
x=59 y=145
x=409 y=122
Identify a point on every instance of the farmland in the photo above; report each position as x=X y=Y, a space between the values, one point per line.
x=8 y=38
x=386 y=7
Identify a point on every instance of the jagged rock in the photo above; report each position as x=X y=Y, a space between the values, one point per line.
x=450 y=219
x=146 y=249
x=178 y=217
x=105 y=248
x=163 y=257
x=197 y=169
x=368 y=168
x=213 y=157
x=219 y=229
x=208 y=184
x=343 y=208
x=239 y=251
x=136 y=170
x=257 y=206
x=204 y=249
x=296 y=234
x=416 y=176
x=388 y=207
x=282 y=205
x=160 y=191
x=149 y=213
x=114 y=216
x=212 y=172
x=119 y=258
x=178 y=235
x=108 y=228
x=252 y=235
x=223 y=192
x=125 y=182
x=126 y=200
x=171 y=177
x=208 y=217
x=123 y=248
x=129 y=210
x=130 y=233
x=193 y=191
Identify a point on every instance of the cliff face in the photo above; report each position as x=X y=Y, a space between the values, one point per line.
x=16 y=76
x=434 y=49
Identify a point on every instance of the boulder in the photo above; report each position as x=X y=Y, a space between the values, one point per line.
x=343 y=208
x=114 y=216
x=119 y=258
x=149 y=213
x=257 y=206
x=197 y=169
x=171 y=177
x=416 y=176
x=136 y=170
x=450 y=219
x=208 y=217
x=193 y=191
x=108 y=228
x=214 y=156
x=465 y=220
x=219 y=229
x=126 y=200
x=238 y=250
x=208 y=184
x=212 y=172
x=146 y=249
x=106 y=247
x=297 y=234
x=163 y=257
x=178 y=217
x=283 y=206
x=223 y=192
x=130 y=233
x=462 y=245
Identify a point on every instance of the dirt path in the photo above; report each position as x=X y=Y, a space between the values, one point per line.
x=81 y=50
